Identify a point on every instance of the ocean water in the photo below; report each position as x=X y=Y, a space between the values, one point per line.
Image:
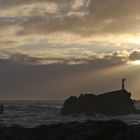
x=34 y=113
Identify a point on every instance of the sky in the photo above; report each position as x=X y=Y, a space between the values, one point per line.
x=52 y=49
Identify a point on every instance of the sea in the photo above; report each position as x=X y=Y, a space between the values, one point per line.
x=33 y=113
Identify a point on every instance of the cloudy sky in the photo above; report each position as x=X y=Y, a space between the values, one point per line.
x=51 y=49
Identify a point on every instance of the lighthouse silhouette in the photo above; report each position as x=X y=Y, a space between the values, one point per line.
x=123 y=83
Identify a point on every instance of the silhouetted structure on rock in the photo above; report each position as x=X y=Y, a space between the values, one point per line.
x=111 y=103
x=123 y=84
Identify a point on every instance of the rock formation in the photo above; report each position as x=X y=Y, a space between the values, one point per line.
x=111 y=103
x=90 y=130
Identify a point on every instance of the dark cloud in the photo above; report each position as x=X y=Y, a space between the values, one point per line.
x=22 y=77
x=10 y=3
x=135 y=55
x=112 y=9
x=110 y=16
x=117 y=57
x=43 y=25
x=25 y=77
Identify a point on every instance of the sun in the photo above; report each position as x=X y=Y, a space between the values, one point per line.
x=134 y=40
x=136 y=62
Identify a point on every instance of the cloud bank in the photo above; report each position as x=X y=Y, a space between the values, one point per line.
x=46 y=42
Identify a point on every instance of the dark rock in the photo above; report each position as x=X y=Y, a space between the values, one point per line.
x=111 y=103
x=90 y=130
x=18 y=133
x=2 y=108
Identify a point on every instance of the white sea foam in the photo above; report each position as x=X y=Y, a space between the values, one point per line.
x=33 y=113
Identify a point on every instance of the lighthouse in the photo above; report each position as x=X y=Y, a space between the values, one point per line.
x=123 y=83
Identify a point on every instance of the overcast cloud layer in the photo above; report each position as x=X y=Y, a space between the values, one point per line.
x=46 y=41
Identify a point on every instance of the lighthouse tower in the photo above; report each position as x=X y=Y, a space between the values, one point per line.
x=123 y=83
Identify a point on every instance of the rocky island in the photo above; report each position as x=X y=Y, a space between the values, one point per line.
x=117 y=102
x=111 y=103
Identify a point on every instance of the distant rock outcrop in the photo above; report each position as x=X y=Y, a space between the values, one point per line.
x=111 y=103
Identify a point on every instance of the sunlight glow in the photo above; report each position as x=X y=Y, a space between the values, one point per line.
x=134 y=40
x=136 y=62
